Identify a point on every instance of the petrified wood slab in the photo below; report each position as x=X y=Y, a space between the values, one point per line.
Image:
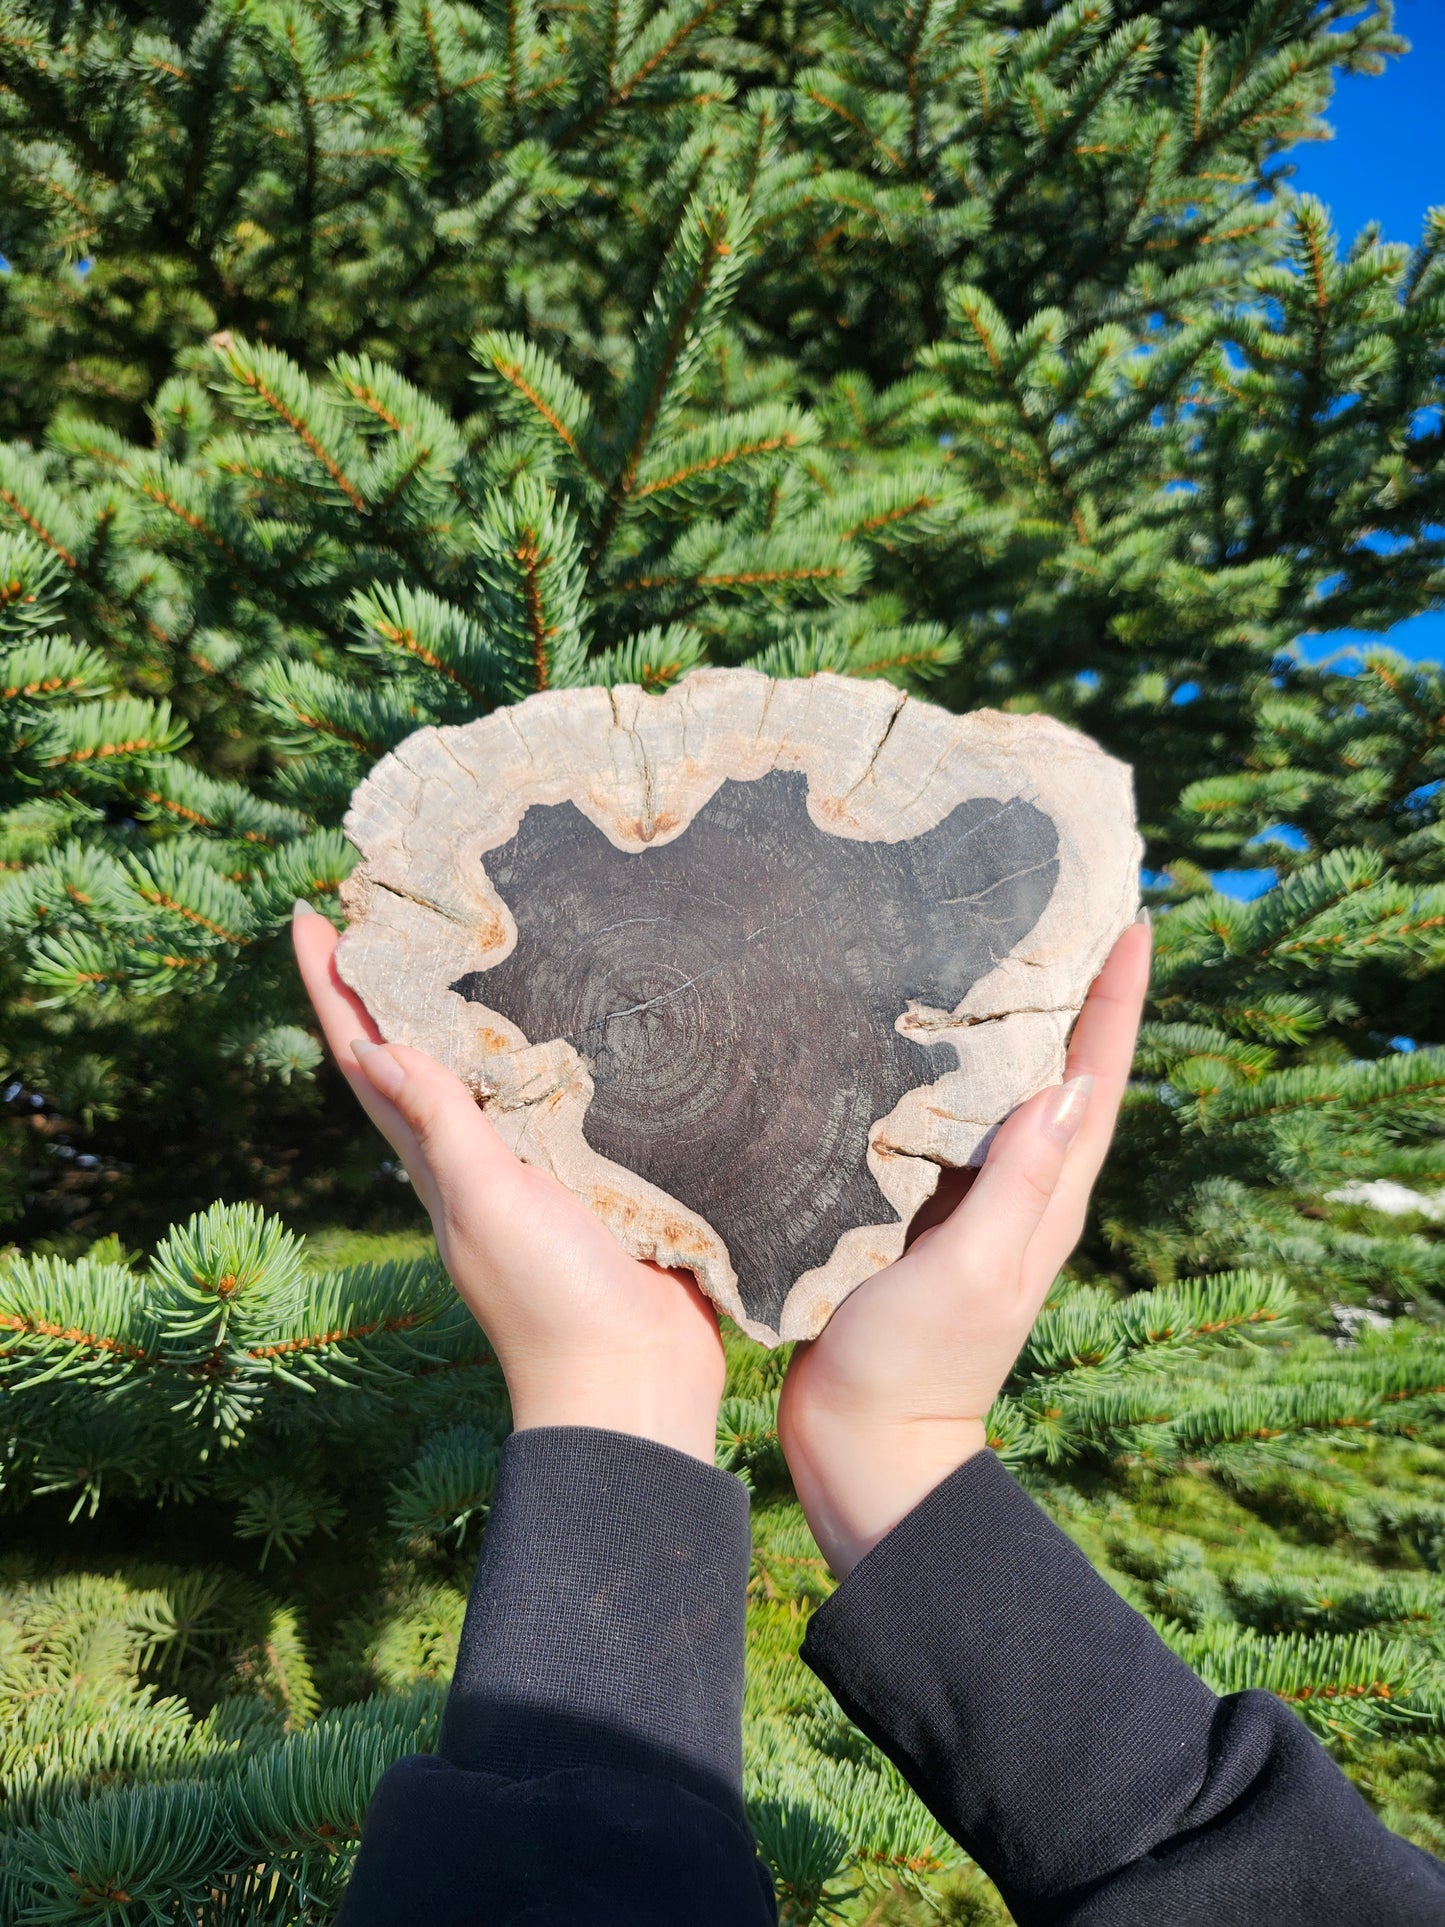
x=744 y=964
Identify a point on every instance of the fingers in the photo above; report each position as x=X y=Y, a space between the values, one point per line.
x=345 y=1022
x=992 y=1228
x=343 y=1017
x=1029 y=1200
x=949 y=1193
x=1102 y=1048
x=456 y=1143
x=429 y=1116
x=341 y=1013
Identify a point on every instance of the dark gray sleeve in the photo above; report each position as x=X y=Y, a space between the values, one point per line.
x=590 y=1764
x=1092 y=1775
x=605 y=1625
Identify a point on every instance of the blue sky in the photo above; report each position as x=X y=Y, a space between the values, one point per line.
x=1387 y=160
x=1387 y=164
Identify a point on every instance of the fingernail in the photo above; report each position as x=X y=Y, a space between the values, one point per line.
x=1066 y=1114
x=1145 y=918
x=380 y=1066
x=301 y=908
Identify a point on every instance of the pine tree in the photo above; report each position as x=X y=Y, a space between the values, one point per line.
x=318 y=567
x=364 y=370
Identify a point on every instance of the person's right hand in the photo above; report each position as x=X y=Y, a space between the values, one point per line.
x=893 y=1394
x=584 y=1334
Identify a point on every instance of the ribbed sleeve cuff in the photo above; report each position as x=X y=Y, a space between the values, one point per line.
x=605 y=1625
x=1044 y=1721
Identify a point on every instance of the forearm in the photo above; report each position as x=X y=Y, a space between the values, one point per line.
x=605 y=1625
x=590 y=1754
x=1095 y=1778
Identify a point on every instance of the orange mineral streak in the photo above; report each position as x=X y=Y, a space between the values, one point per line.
x=623 y=1213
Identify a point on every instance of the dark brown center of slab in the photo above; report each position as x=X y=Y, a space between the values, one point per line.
x=734 y=994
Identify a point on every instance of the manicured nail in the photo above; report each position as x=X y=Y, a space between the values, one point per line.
x=380 y=1067
x=1066 y=1114
x=1145 y=918
x=301 y=908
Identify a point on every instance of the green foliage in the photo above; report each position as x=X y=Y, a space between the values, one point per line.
x=120 y=1793
x=366 y=369
x=327 y=563
x=1305 y=1556
x=959 y=346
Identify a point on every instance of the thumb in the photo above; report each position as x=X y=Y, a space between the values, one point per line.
x=454 y=1141
x=993 y=1225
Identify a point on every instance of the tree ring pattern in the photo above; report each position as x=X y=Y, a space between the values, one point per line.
x=734 y=994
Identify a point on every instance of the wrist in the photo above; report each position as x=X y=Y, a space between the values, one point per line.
x=666 y=1413
x=856 y=1483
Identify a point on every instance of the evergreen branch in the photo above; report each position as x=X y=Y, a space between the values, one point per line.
x=31 y=522
x=696 y=277
x=514 y=368
x=108 y=730
x=665 y=36
x=532 y=580
x=653 y=660
x=155 y=491
x=1342 y=1685
x=1184 y=430
x=267 y=376
x=713 y=464
x=433 y=633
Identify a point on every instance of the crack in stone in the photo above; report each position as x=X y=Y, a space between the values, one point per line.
x=701 y=977
x=625 y=923
x=410 y=896
x=977 y=896
x=938 y=763
x=868 y=767
x=977 y=829
x=513 y=725
x=947 y=1022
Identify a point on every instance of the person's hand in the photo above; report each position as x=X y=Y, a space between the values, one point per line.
x=584 y=1334
x=892 y=1396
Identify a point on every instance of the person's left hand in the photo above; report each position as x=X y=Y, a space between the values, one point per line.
x=584 y=1334
x=894 y=1393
